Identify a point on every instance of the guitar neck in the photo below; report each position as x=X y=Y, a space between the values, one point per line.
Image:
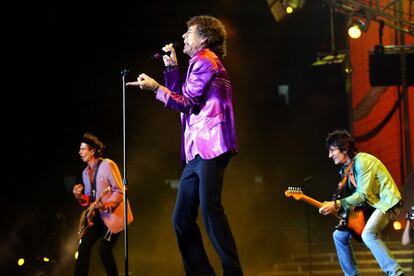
x=311 y=201
x=355 y=221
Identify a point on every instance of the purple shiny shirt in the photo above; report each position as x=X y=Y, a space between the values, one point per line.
x=205 y=103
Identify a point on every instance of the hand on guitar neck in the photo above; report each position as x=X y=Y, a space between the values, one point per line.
x=328 y=208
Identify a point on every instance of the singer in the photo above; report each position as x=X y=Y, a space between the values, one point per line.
x=209 y=141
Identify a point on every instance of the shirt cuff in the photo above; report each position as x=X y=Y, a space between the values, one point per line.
x=170 y=67
x=163 y=94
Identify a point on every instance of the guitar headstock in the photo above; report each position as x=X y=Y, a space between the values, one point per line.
x=295 y=192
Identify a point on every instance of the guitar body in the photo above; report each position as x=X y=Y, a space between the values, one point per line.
x=86 y=221
x=87 y=216
x=353 y=221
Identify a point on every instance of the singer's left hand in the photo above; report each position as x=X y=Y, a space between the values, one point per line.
x=144 y=82
x=170 y=60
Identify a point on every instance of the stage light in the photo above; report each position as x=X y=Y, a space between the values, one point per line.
x=76 y=255
x=356 y=27
x=20 y=262
x=291 y=5
x=46 y=259
x=354 y=32
x=397 y=225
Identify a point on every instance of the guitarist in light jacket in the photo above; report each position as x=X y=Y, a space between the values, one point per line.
x=375 y=187
x=102 y=193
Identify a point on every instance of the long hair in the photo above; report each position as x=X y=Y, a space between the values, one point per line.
x=342 y=139
x=213 y=31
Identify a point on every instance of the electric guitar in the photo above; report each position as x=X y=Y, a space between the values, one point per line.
x=86 y=218
x=354 y=221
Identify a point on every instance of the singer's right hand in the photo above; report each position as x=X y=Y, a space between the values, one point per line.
x=169 y=60
x=145 y=83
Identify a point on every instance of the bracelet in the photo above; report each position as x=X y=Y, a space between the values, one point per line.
x=84 y=200
x=337 y=205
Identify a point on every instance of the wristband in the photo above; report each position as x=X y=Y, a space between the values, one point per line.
x=84 y=200
x=337 y=205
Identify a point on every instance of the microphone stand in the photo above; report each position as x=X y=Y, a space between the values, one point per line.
x=124 y=173
x=308 y=228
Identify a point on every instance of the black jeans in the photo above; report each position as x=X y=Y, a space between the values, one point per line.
x=97 y=232
x=200 y=186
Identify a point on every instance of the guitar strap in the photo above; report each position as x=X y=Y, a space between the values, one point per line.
x=94 y=180
x=352 y=178
x=347 y=173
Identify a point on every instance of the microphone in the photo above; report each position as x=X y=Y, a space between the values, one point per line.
x=124 y=72
x=159 y=55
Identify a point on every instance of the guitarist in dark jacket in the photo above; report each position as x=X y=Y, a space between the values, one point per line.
x=373 y=186
x=102 y=194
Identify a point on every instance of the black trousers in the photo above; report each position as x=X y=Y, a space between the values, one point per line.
x=97 y=232
x=200 y=186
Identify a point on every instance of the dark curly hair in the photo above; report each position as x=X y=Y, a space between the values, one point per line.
x=342 y=139
x=213 y=31
x=94 y=143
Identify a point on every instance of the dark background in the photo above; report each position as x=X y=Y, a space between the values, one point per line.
x=62 y=64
